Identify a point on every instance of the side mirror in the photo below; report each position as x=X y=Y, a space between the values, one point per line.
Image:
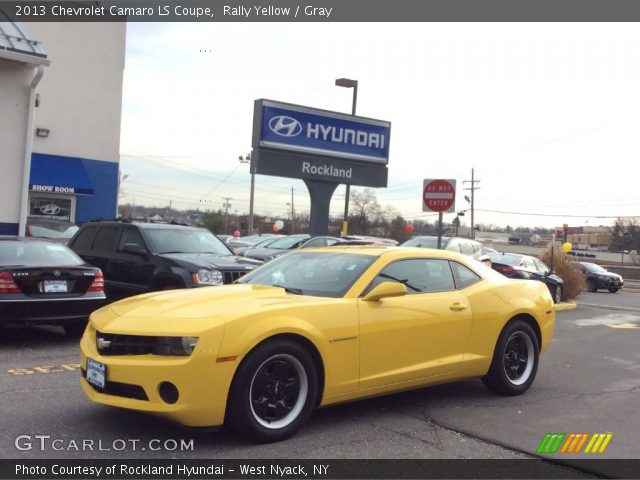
x=385 y=290
x=134 y=249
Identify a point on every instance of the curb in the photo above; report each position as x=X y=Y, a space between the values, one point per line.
x=565 y=306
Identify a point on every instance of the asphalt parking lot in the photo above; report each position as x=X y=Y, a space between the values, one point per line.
x=587 y=382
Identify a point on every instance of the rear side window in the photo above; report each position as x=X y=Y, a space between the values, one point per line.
x=463 y=276
x=106 y=239
x=85 y=238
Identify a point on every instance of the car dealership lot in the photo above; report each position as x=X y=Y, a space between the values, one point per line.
x=587 y=382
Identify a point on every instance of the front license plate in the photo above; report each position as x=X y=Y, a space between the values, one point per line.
x=96 y=373
x=55 y=286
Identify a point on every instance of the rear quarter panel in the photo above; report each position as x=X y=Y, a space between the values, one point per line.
x=493 y=306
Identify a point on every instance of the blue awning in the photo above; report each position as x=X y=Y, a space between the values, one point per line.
x=56 y=174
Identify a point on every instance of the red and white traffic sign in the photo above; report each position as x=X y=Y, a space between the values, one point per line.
x=439 y=195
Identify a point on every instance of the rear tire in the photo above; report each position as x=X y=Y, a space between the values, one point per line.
x=515 y=360
x=273 y=392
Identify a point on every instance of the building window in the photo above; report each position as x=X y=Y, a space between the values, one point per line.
x=59 y=207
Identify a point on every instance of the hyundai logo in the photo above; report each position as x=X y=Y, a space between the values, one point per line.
x=50 y=209
x=285 y=126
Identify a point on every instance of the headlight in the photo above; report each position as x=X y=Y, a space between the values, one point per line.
x=181 y=346
x=208 y=277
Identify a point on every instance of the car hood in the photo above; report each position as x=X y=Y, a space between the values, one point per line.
x=612 y=275
x=210 y=260
x=263 y=252
x=192 y=310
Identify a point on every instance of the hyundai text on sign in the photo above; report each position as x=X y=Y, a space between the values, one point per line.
x=333 y=134
x=439 y=195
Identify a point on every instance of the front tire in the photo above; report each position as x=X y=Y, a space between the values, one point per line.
x=515 y=360
x=613 y=290
x=557 y=294
x=591 y=286
x=273 y=392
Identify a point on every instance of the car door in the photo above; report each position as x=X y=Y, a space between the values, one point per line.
x=131 y=273
x=417 y=335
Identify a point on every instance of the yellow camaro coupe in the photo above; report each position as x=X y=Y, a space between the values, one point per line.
x=314 y=328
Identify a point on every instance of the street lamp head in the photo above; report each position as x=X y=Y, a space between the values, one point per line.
x=346 y=82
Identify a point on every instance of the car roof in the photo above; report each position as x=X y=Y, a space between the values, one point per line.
x=393 y=251
x=144 y=224
x=16 y=238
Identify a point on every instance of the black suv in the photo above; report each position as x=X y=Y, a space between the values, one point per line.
x=142 y=257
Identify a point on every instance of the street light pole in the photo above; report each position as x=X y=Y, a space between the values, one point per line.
x=348 y=83
x=247 y=159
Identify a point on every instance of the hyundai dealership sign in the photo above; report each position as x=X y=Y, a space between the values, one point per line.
x=308 y=143
x=304 y=129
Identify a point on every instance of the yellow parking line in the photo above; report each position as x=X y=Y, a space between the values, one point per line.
x=565 y=306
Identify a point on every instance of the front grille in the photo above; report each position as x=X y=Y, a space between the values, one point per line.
x=230 y=277
x=118 y=389
x=112 y=344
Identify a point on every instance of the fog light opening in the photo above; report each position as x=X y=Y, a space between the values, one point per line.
x=168 y=392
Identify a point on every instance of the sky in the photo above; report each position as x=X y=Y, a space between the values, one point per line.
x=547 y=114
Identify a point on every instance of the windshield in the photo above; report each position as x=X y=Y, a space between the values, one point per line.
x=594 y=268
x=186 y=240
x=37 y=254
x=318 y=274
x=287 y=242
x=425 y=242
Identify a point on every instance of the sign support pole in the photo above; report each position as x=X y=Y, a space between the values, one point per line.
x=439 y=230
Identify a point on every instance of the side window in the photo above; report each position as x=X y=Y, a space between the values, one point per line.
x=419 y=275
x=463 y=276
x=540 y=266
x=131 y=235
x=85 y=239
x=317 y=242
x=528 y=264
x=106 y=239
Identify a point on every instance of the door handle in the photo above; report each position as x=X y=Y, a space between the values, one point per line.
x=456 y=307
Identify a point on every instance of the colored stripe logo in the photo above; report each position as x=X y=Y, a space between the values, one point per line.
x=574 y=443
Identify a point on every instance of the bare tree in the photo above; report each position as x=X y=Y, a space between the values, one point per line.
x=365 y=208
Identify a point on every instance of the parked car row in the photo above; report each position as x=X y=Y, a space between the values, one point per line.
x=41 y=281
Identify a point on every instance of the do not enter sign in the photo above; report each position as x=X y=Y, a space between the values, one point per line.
x=439 y=195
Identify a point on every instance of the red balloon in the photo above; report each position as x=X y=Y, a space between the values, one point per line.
x=236 y=234
x=409 y=228
x=274 y=227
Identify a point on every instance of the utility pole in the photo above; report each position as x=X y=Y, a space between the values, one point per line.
x=227 y=205
x=473 y=188
x=293 y=212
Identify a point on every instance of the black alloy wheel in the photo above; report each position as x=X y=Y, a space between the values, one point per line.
x=274 y=392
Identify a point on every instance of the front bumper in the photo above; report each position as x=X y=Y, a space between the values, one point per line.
x=133 y=381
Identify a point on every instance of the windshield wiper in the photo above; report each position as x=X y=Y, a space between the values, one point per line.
x=405 y=282
x=295 y=291
x=176 y=251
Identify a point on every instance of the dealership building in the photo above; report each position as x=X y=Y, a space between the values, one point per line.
x=61 y=104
